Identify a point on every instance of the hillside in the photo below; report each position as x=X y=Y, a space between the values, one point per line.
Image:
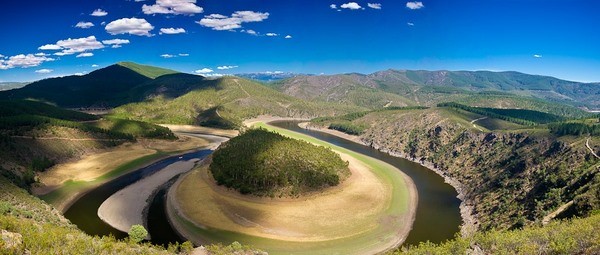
x=427 y=88
x=34 y=136
x=510 y=175
x=222 y=102
x=107 y=87
x=265 y=163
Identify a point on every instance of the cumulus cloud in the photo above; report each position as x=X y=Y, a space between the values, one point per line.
x=222 y=22
x=132 y=26
x=271 y=34
x=49 y=47
x=172 y=31
x=84 y=25
x=250 y=31
x=167 y=56
x=94 y=65
x=23 y=61
x=410 y=24
x=99 y=13
x=72 y=46
x=414 y=5
x=183 y=54
x=204 y=71
x=288 y=37
x=176 y=7
x=226 y=67
x=39 y=54
x=44 y=71
x=351 y=6
x=333 y=6
x=85 y=55
x=116 y=43
x=374 y=6
x=537 y=55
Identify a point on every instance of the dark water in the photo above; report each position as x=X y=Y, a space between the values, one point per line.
x=437 y=218
x=438 y=215
x=84 y=212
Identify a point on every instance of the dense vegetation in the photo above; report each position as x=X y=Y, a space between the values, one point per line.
x=519 y=116
x=574 y=128
x=148 y=71
x=30 y=226
x=577 y=236
x=134 y=128
x=263 y=163
x=510 y=178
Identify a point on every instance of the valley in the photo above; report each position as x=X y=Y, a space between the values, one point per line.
x=520 y=163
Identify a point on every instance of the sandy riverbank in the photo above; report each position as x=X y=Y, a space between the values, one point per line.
x=470 y=222
x=65 y=183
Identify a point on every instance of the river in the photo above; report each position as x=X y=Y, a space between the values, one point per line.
x=437 y=217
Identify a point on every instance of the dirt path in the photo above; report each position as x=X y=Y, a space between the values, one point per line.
x=556 y=212
x=242 y=88
x=587 y=144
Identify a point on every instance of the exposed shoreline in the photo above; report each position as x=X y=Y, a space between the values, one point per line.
x=129 y=206
x=175 y=211
x=470 y=222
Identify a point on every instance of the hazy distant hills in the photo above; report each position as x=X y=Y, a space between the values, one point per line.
x=269 y=76
x=480 y=88
x=12 y=85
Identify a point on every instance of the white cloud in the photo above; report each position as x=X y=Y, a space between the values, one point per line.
x=85 y=55
x=183 y=54
x=222 y=22
x=226 y=67
x=351 y=6
x=103 y=23
x=79 y=74
x=172 y=31
x=250 y=31
x=374 y=6
x=39 y=54
x=116 y=43
x=333 y=6
x=204 y=71
x=414 y=5
x=271 y=34
x=72 y=46
x=184 y=7
x=288 y=37
x=94 y=65
x=537 y=55
x=99 y=13
x=84 y=25
x=23 y=61
x=167 y=56
x=132 y=26
x=44 y=71
x=410 y=24
x=49 y=47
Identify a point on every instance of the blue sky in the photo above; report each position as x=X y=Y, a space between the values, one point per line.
x=549 y=37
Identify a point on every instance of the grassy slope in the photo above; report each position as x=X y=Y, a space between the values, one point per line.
x=43 y=230
x=145 y=70
x=235 y=98
x=359 y=244
x=577 y=236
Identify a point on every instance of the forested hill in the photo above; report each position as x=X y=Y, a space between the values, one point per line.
x=107 y=87
x=489 y=89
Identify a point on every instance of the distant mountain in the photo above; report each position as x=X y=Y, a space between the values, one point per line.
x=107 y=87
x=12 y=85
x=269 y=76
x=480 y=88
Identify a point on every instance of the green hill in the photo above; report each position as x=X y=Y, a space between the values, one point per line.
x=222 y=102
x=151 y=72
x=265 y=163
